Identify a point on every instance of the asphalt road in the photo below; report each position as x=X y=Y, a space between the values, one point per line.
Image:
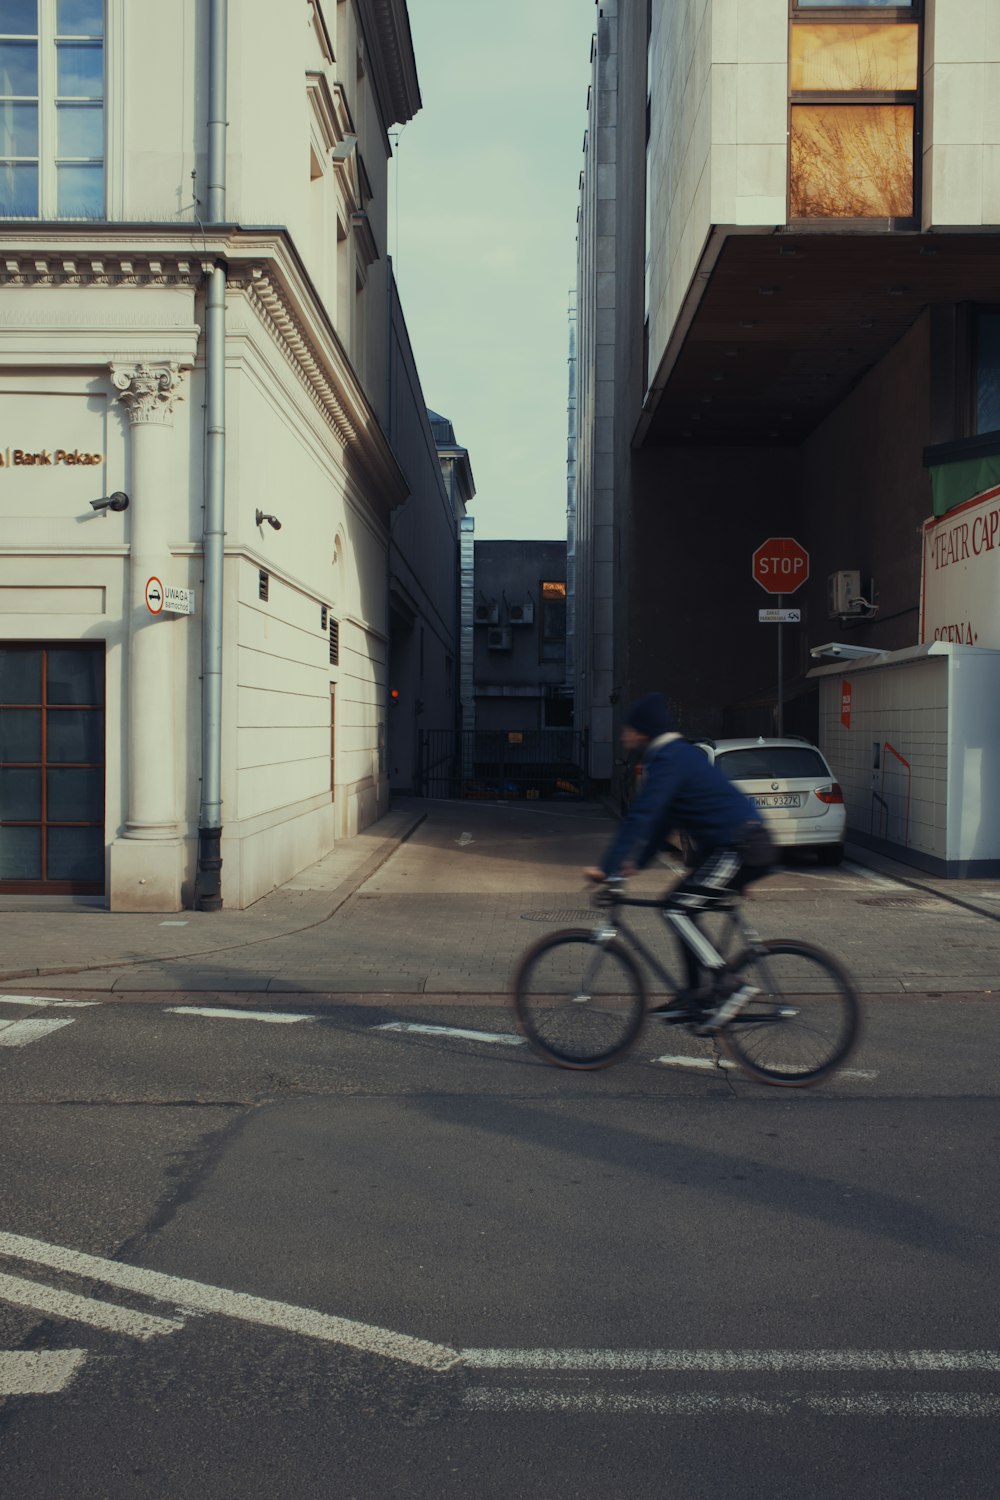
x=326 y=1257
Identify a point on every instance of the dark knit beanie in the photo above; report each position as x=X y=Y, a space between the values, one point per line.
x=651 y=716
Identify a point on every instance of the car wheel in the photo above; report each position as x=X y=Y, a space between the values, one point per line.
x=830 y=854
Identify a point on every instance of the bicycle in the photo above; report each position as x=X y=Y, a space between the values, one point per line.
x=581 y=997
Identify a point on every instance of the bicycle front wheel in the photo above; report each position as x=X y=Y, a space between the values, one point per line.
x=579 y=999
x=805 y=1021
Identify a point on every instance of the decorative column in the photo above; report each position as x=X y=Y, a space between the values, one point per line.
x=147 y=861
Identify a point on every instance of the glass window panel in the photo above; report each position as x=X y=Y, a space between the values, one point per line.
x=80 y=17
x=74 y=734
x=21 y=735
x=20 y=676
x=81 y=192
x=80 y=130
x=73 y=796
x=20 y=796
x=20 y=854
x=988 y=372
x=75 y=854
x=80 y=70
x=18 y=191
x=74 y=677
x=19 y=17
x=864 y=56
x=852 y=161
x=18 y=129
x=18 y=68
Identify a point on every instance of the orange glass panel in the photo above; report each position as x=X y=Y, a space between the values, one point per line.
x=862 y=56
x=851 y=161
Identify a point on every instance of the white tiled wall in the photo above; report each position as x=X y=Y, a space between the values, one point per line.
x=961 y=90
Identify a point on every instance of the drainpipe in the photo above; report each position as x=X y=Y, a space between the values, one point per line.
x=208 y=882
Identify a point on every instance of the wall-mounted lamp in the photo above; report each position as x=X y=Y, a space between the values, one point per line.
x=342 y=150
x=116 y=501
x=271 y=520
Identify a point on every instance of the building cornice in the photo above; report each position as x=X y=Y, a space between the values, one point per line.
x=263 y=267
x=386 y=26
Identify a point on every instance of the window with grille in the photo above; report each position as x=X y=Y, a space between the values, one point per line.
x=854 y=81
x=52 y=768
x=52 y=109
x=334 y=643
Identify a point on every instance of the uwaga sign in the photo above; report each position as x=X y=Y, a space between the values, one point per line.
x=19 y=458
x=960 y=586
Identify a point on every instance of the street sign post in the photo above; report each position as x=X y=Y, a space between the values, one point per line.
x=780 y=565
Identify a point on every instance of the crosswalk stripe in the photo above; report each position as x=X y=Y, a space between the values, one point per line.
x=39 y=1373
x=21 y=1033
x=41 y=1001
x=219 y=1012
x=58 y=1304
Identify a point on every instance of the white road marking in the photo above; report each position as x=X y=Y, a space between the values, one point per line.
x=38 y=1374
x=199 y=1297
x=872 y=877
x=42 y=1002
x=705 y=1063
x=465 y=838
x=502 y=1039
x=21 y=1033
x=884 y=1361
x=710 y=1403
x=173 y=924
x=58 y=1304
x=275 y=1018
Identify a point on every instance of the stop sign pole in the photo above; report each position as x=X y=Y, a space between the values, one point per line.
x=780 y=565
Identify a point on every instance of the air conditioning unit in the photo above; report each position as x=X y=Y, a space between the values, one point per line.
x=498 y=638
x=521 y=614
x=844 y=593
x=486 y=614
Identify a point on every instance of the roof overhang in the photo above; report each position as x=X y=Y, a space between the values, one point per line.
x=778 y=325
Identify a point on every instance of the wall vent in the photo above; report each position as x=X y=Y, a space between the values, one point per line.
x=334 y=642
x=263 y=584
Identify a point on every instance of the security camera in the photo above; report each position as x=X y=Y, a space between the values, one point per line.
x=116 y=501
x=271 y=520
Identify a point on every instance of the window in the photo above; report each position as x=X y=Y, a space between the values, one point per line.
x=987 y=371
x=51 y=768
x=553 y=639
x=854 y=87
x=52 y=109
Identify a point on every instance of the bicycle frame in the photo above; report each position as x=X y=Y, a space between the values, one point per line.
x=615 y=925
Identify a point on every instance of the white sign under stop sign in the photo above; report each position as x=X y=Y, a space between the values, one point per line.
x=780 y=565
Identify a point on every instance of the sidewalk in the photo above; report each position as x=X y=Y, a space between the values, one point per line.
x=446 y=917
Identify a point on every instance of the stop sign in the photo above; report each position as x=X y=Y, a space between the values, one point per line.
x=780 y=565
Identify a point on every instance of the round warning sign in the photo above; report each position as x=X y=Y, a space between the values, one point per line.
x=154 y=596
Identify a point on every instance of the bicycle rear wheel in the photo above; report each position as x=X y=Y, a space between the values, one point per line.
x=579 y=999
x=805 y=1021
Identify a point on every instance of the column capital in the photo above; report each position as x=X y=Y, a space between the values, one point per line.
x=148 y=390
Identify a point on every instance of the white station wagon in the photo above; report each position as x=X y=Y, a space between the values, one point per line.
x=791 y=782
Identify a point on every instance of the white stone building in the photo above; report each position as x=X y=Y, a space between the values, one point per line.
x=194 y=301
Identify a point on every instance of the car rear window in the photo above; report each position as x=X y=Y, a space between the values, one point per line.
x=763 y=762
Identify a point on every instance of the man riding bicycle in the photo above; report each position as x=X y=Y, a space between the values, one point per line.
x=682 y=790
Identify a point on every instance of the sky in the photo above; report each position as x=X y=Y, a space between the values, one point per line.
x=483 y=194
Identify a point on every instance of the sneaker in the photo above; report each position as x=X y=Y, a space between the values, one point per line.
x=685 y=1004
x=727 y=1009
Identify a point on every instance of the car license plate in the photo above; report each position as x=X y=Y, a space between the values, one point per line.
x=778 y=799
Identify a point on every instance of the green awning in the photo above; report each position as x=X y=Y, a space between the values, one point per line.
x=952 y=483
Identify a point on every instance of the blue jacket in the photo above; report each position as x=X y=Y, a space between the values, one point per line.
x=681 y=789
